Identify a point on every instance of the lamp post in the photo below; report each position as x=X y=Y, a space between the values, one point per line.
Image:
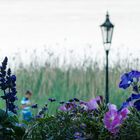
x=107 y=32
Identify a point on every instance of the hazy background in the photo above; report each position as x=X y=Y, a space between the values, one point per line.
x=65 y=32
x=63 y=25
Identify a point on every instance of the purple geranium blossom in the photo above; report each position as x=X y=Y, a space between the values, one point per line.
x=114 y=118
x=112 y=121
x=123 y=113
x=94 y=103
x=63 y=108
x=112 y=107
x=67 y=106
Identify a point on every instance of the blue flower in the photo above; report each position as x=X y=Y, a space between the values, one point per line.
x=129 y=99
x=135 y=96
x=4 y=65
x=8 y=85
x=9 y=72
x=125 y=81
x=12 y=107
x=128 y=78
x=34 y=106
x=137 y=105
x=134 y=74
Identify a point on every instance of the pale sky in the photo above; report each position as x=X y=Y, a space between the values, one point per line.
x=62 y=25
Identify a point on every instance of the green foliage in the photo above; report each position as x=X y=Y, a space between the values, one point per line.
x=62 y=83
x=64 y=125
x=9 y=127
x=131 y=127
x=83 y=81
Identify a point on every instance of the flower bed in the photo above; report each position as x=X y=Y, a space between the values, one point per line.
x=75 y=119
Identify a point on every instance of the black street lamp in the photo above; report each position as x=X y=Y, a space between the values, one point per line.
x=107 y=32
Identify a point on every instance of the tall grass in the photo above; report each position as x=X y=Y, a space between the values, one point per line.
x=84 y=81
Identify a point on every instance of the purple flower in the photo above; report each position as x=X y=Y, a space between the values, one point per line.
x=123 y=113
x=112 y=107
x=112 y=121
x=67 y=106
x=128 y=78
x=63 y=108
x=113 y=118
x=78 y=135
x=99 y=100
x=94 y=103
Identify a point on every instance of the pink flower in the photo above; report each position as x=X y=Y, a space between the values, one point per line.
x=113 y=119
x=94 y=103
x=112 y=107
x=67 y=107
x=62 y=108
x=99 y=99
x=124 y=112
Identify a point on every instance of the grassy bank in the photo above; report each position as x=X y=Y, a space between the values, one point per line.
x=63 y=83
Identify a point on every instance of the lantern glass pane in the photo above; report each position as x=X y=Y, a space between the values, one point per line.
x=107 y=34
x=104 y=34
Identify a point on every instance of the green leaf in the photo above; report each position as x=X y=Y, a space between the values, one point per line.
x=2 y=114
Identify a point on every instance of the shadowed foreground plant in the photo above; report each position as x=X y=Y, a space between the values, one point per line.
x=75 y=119
x=71 y=123
x=81 y=120
x=9 y=127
